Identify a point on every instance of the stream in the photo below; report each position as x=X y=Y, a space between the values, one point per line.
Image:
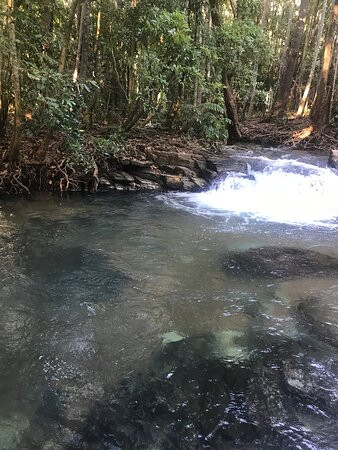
x=174 y=321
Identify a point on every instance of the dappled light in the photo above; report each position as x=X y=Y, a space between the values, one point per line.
x=168 y=224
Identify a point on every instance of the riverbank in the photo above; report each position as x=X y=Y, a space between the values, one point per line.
x=148 y=159
x=295 y=134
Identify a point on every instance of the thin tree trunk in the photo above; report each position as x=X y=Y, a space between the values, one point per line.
x=13 y=153
x=296 y=90
x=85 y=40
x=334 y=83
x=289 y=65
x=3 y=99
x=79 y=43
x=231 y=108
x=266 y=8
x=62 y=65
x=66 y=35
x=319 y=113
x=229 y=98
x=284 y=57
x=96 y=63
x=301 y=107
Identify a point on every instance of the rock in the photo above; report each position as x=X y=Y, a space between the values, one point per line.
x=190 y=399
x=208 y=174
x=136 y=163
x=122 y=177
x=188 y=185
x=173 y=158
x=147 y=184
x=178 y=170
x=104 y=185
x=200 y=183
x=333 y=159
x=95 y=273
x=152 y=175
x=119 y=187
x=173 y=182
x=281 y=262
x=315 y=303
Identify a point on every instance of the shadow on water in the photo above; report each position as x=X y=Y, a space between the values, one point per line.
x=284 y=396
x=121 y=328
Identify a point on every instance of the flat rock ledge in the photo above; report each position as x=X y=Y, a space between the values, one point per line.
x=177 y=168
x=156 y=160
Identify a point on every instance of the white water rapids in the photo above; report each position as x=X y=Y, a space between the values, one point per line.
x=283 y=190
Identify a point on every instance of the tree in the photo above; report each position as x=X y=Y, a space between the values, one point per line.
x=289 y=62
x=13 y=153
x=66 y=35
x=229 y=99
x=265 y=10
x=305 y=95
x=320 y=109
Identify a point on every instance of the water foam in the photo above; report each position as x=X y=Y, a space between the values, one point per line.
x=284 y=191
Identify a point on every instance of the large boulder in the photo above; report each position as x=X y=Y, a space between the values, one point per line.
x=281 y=262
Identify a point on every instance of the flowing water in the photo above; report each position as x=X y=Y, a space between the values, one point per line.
x=134 y=320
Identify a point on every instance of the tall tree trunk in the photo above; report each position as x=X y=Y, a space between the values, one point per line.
x=3 y=98
x=229 y=98
x=231 y=108
x=79 y=42
x=13 y=153
x=334 y=86
x=62 y=65
x=320 y=109
x=296 y=91
x=85 y=40
x=66 y=35
x=289 y=65
x=305 y=96
x=96 y=65
x=266 y=8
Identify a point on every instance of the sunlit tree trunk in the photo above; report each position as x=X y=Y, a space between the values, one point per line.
x=13 y=153
x=79 y=42
x=334 y=100
x=320 y=109
x=305 y=95
x=289 y=63
x=296 y=90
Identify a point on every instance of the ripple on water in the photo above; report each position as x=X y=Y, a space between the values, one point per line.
x=120 y=328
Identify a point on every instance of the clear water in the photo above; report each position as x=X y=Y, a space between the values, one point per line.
x=120 y=326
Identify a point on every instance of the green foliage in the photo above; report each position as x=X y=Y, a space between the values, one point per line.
x=207 y=121
x=84 y=150
x=161 y=61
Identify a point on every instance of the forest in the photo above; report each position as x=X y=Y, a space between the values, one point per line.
x=168 y=224
x=78 y=76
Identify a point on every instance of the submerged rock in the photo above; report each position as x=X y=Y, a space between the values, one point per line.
x=315 y=302
x=281 y=262
x=191 y=399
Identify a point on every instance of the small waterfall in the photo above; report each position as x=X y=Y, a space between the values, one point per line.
x=285 y=191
